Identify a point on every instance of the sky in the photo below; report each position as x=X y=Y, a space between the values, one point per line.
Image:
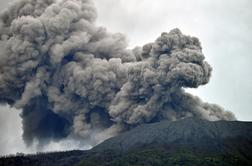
x=223 y=27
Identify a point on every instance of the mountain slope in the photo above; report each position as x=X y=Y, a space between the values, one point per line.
x=191 y=131
x=186 y=142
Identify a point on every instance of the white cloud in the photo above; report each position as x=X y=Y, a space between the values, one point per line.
x=11 y=131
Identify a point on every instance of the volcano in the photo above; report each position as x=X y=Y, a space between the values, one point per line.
x=190 y=141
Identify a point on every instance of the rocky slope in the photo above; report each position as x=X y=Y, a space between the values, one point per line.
x=186 y=142
x=191 y=131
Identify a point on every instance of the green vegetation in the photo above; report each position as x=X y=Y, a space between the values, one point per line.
x=147 y=156
x=162 y=157
x=67 y=158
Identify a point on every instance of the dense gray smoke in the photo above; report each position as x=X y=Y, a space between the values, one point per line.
x=73 y=78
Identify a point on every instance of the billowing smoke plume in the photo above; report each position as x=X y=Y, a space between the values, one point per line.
x=73 y=78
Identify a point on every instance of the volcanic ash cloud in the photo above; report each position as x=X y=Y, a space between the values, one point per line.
x=72 y=78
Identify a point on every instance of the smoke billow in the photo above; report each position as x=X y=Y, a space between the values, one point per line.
x=73 y=78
